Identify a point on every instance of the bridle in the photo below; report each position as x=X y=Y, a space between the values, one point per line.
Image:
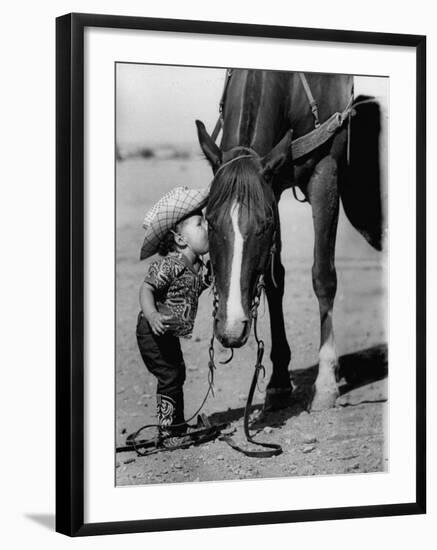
x=251 y=153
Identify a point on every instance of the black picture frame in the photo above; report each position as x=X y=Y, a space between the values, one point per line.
x=70 y=273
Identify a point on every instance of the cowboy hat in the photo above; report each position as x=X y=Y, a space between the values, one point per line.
x=167 y=212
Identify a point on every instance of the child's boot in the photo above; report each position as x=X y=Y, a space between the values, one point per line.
x=170 y=413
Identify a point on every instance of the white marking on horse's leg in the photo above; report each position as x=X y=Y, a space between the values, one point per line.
x=326 y=389
x=234 y=308
x=324 y=198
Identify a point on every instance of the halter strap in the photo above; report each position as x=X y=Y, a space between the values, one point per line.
x=251 y=154
x=243 y=148
x=232 y=160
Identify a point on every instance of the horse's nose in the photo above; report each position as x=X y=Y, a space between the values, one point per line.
x=232 y=335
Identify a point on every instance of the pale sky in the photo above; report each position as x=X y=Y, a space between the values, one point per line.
x=158 y=104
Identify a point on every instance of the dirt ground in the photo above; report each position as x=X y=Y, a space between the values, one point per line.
x=350 y=438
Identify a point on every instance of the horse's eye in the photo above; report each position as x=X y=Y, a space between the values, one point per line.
x=261 y=230
x=264 y=227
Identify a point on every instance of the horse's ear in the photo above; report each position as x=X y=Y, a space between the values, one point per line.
x=210 y=149
x=274 y=160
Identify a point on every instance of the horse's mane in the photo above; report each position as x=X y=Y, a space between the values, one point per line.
x=239 y=181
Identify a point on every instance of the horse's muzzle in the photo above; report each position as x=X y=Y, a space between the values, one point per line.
x=232 y=336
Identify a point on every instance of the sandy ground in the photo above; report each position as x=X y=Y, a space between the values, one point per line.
x=348 y=439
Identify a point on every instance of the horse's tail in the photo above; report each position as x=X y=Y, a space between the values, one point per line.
x=363 y=188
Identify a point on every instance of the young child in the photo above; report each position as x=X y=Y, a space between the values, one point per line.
x=176 y=228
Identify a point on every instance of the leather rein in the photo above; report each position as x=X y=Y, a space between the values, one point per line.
x=271 y=449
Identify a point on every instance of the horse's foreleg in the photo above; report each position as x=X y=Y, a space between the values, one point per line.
x=279 y=387
x=324 y=198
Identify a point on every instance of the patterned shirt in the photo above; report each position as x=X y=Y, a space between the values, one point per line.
x=177 y=288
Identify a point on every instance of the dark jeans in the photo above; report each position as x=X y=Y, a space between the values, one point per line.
x=162 y=356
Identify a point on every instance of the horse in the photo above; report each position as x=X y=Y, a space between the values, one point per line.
x=263 y=113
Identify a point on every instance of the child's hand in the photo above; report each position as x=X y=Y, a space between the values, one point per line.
x=157 y=323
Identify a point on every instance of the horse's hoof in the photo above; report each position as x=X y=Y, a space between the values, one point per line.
x=324 y=400
x=277 y=398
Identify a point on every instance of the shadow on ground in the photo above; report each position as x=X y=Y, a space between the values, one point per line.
x=46 y=520
x=356 y=370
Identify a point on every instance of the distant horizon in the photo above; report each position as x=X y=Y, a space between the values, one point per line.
x=157 y=105
x=162 y=144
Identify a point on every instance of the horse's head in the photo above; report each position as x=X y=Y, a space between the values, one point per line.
x=242 y=218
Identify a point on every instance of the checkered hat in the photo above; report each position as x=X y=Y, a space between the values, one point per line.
x=166 y=213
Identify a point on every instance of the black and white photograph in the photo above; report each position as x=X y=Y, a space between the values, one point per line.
x=251 y=280
x=218 y=275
